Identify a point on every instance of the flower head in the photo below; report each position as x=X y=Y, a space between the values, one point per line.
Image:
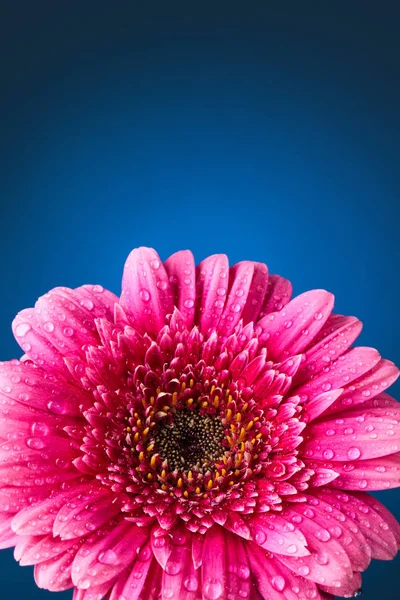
x=202 y=437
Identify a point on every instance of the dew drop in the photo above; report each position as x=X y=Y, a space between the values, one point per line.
x=48 y=326
x=329 y=454
x=213 y=589
x=87 y=303
x=22 y=329
x=189 y=303
x=108 y=557
x=145 y=295
x=191 y=584
x=68 y=331
x=244 y=572
x=260 y=537
x=57 y=407
x=323 y=535
x=35 y=443
x=173 y=567
x=278 y=583
x=353 y=453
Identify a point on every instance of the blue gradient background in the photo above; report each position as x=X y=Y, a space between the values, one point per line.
x=267 y=134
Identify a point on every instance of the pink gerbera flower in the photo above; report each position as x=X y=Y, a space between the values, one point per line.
x=202 y=437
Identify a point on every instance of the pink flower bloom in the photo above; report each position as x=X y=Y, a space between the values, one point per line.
x=202 y=437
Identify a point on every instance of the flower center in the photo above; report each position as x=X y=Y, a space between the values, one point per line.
x=190 y=440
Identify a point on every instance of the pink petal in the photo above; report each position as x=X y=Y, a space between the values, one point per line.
x=29 y=385
x=335 y=340
x=369 y=385
x=98 y=301
x=335 y=525
x=257 y=293
x=275 y=581
x=375 y=528
x=8 y=539
x=214 y=564
x=38 y=519
x=368 y=432
x=65 y=322
x=152 y=586
x=348 y=590
x=44 y=548
x=328 y=561
x=181 y=271
x=15 y=498
x=96 y=592
x=238 y=574
x=55 y=574
x=180 y=579
x=161 y=545
x=319 y=404
x=381 y=473
x=34 y=342
x=279 y=293
x=212 y=279
x=30 y=460
x=392 y=524
x=241 y=278
x=85 y=512
x=350 y=366
x=146 y=291
x=277 y=534
x=289 y=331
x=131 y=583
x=103 y=556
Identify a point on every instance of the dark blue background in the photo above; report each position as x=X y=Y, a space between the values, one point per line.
x=268 y=134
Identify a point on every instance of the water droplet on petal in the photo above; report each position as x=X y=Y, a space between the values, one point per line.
x=191 y=584
x=48 y=326
x=278 y=583
x=260 y=537
x=323 y=535
x=108 y=557
x=57 y=407
x=329 y=454
x=35 y=443
x=189 y=303
x=213 y=589
x=22 y=329
x=39 y=429
x=353 y=453
x=87 y=303
x=145 y=295
x=173 y=567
